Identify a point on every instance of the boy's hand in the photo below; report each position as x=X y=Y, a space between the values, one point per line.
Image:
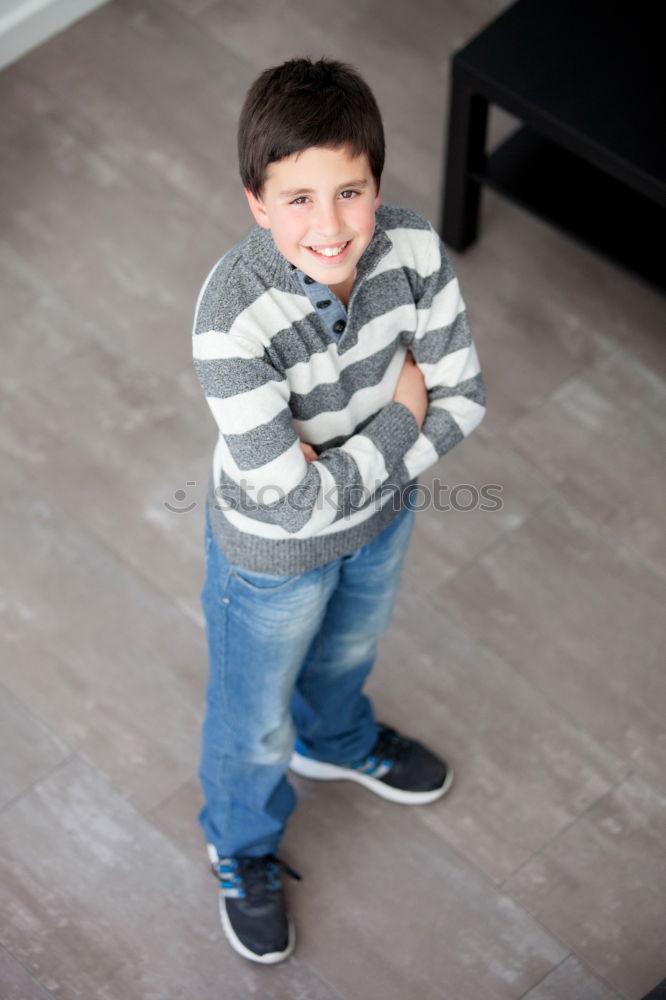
x=411 y=390
x=308 y=451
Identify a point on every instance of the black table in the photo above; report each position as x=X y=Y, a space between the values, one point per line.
x=587 y=79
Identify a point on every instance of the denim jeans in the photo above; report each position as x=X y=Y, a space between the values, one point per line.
x=288 y=657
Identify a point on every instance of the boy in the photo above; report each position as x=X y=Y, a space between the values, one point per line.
x=334 y=351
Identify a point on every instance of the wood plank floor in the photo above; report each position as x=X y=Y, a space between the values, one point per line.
x=527 y=643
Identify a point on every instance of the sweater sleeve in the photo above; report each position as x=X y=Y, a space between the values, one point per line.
x=261 y=469
x=445 y=353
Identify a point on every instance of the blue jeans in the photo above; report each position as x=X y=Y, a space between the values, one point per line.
x=288 y=657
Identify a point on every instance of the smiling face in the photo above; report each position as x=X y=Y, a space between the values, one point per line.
x=320 y=207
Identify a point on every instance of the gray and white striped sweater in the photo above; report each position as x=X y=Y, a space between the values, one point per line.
x=279 y=363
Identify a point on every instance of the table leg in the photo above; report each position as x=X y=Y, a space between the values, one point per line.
x=468 y=115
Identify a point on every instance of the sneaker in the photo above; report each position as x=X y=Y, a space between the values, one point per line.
x=252 y=907
x=397 y=768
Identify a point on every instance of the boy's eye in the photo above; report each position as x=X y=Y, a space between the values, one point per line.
x=302 y=198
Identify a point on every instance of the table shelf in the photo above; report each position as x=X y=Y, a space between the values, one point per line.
x=580 y=200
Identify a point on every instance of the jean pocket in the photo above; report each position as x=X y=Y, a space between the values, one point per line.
x=261 y=582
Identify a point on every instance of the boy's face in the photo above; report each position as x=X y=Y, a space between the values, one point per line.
x=320 y=207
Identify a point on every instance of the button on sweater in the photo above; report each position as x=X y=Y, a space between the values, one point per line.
x=278 y=367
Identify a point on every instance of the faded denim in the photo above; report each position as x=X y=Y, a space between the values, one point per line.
x=288 y=658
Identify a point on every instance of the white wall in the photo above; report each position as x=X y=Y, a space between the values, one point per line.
x=27 y=23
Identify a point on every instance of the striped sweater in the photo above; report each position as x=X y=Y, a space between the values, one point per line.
x=280 y=360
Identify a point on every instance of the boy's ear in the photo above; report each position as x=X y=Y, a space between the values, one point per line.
x=378 y=197
x=257 y=209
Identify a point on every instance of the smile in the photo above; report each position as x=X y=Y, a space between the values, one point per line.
x=332 y=251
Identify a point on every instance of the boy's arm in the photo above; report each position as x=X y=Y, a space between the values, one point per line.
x=266 y=475
x=446 y=355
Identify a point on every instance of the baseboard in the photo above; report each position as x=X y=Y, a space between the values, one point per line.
x=24 y=24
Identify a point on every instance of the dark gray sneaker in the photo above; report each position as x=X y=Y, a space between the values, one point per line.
x=397 y=768
x=252 y=906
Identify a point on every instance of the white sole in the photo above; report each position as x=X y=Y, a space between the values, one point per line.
x=320 y=771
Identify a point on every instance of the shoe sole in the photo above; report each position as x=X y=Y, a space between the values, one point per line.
x=320 y=771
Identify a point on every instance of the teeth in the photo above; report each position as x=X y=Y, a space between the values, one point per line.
x=330 y=251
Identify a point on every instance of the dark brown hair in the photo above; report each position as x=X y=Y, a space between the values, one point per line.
x=300 y=104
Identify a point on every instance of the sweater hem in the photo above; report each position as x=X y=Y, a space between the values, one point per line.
x=293 y=556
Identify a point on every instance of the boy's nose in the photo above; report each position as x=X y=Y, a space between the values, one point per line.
x=327 y=222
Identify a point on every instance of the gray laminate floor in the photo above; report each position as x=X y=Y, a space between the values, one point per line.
x=527 y=644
